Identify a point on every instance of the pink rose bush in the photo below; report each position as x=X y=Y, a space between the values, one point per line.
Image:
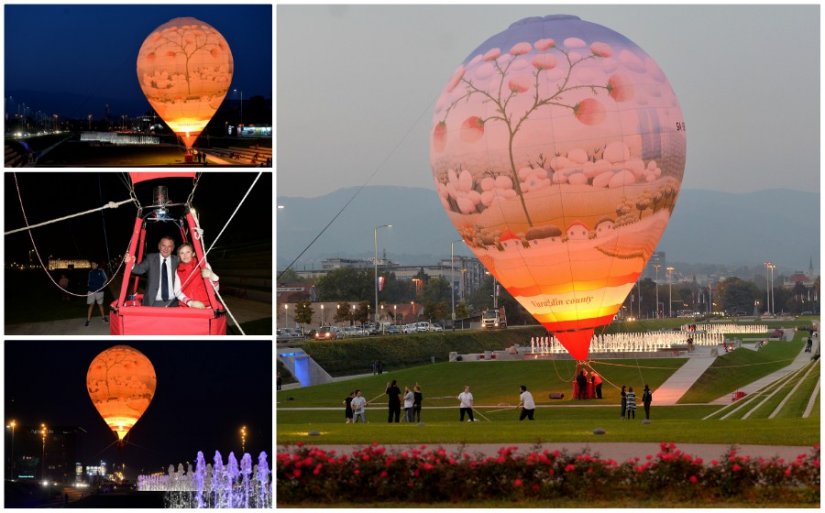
x=309 y=475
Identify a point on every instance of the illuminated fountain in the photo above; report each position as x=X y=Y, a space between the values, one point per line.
x=214 y=485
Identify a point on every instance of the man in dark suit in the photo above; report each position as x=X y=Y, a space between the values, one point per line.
x=162 y=284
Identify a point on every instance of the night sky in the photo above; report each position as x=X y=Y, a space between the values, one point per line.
x=101 y=236
x=71 y=59
x=206 y=390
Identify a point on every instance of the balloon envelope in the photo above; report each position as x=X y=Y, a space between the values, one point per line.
x=558 y=149
x=121 y=382
x=185 y=68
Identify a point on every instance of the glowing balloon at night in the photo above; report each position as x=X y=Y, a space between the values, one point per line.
x=558 y=149
x=121 y=383
x=185 y=68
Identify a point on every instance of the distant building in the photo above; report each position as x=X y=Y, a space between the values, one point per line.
x=56 y=264
x=61 y=449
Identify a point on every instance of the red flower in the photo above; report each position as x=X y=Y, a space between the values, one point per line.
x=570 y=467
x=714 y=462
x=736 y=467
x=694 y=479
x=317 y=469
x=383 y=474
x=589 y=111
x=788 y=472
x=517 y=483
x=357 y=472
x=296 y=473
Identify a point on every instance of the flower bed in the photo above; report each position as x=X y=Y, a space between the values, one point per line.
x=308 y=474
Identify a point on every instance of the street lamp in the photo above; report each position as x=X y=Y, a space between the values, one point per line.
x=43 y=432
x=322 y=314
x=375 y=239
x=236 y=91
x=286 y=319
x=771 y=266
x=243 y=440
x=337 y=313
x=495 y=296
x=11 y=426
x=656 y=282
x=395 y=314
x=670 y=291
x=452 y=276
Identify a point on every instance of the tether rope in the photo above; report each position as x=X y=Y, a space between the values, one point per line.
x=111 y=204
x=37 y=252
x=358 y=191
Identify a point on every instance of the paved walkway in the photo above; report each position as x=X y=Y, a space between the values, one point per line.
x=801 y=359
x=685 y=376
x=618 y=451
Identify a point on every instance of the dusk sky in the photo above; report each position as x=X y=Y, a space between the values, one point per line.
x=91 y=51
x=206 y=390
x=357 y=86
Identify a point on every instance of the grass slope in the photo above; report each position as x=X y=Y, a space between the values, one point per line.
x=738 y=368
x=796 y=405
x=492 y=382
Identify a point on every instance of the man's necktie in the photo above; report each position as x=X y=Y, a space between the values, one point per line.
x=164 y=282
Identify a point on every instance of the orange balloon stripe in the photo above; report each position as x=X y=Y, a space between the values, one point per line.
x=578 y=286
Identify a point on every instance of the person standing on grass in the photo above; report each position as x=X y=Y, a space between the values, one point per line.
x=359 y=407
x=581 y=382
x=94 y=286
x=624 y=400
x=418 y=398
x=597 y=381
x=465 y=399
x=409 y=399
x=348 y=407
x=631 y=403
x=647 y=398
x=527 y=404
x=394 y=402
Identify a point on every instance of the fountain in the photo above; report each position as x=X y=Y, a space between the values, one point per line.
x=214 y=485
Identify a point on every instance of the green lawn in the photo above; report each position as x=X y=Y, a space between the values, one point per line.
x=796 y=405
x=492 y=383
x=738 y=368
x=679 y=424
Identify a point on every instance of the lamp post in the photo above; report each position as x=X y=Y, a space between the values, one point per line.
x=286 y=319
x=322 y=314
x=43 y=432
x=639 y=290
x=452 y=276
x=656 y=283
x=337 y=312
x=240 y=91
x=375 y=239
x=395 y=314
x=243 y=440
x=11 y=426
x=771 y=266
x=670 y=291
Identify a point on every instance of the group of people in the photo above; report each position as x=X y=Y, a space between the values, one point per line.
x=629 y=402
x=355 y=404
x=582 y=382
x=170 y=279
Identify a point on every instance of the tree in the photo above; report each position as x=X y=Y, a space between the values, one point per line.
x=343 y=313
x=437 y=311
x=737 y=295
x=289 y=276
x=347 y=283
x=461 y=311
x=362 y=312
x=303 y=312
x=436 y=290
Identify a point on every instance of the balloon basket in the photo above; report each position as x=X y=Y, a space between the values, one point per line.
x=188 y=157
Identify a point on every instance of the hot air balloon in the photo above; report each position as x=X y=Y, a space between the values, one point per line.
x=558 y=149
x=127 y=315
x=184 y=68
x=121 y=382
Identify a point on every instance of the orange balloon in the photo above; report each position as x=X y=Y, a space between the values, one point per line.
x=558 y=150
x=185 y=68
x=121 y=382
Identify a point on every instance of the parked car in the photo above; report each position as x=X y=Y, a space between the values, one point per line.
x=326 y=333
x=392 y=329
x=410 y=328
